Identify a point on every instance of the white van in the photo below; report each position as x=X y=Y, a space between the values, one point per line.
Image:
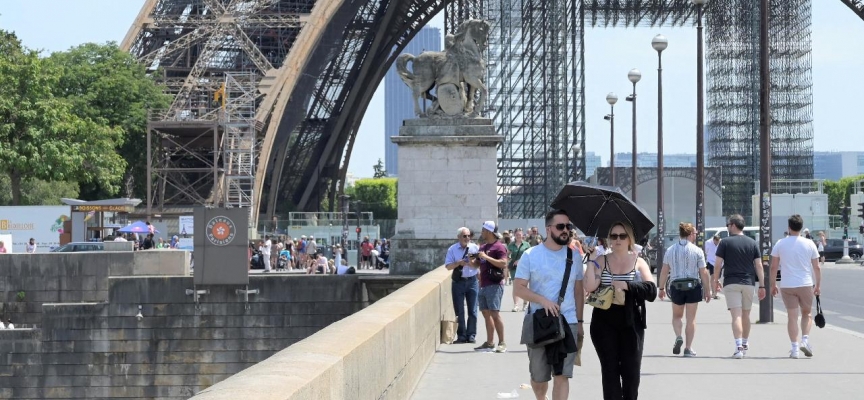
x=752 y=231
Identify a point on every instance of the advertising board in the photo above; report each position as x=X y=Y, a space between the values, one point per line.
x=42 y=223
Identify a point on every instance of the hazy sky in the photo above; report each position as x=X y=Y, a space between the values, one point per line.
x=838 y=58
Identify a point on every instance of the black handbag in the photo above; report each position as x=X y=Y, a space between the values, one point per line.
x=819 y=319
x=457 y=272
x=540 y=329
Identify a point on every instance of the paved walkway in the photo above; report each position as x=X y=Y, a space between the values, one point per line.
x=835 y=371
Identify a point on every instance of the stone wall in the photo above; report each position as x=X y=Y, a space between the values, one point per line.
x=73 y=277
x=378 y=353
x=97 y=348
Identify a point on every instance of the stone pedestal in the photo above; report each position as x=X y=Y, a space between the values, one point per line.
x=447 y=179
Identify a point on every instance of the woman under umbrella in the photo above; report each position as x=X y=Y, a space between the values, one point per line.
x=618 y=333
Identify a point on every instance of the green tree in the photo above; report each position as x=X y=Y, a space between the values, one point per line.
x=376 y=195
x=40 y=136
x=106 y=84
x=36 y=192
x=380 y=172
x=838 y=193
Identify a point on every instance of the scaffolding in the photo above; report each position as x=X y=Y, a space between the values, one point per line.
x=240 y=140
x=536 y=78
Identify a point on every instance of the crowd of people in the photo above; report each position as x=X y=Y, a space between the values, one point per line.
x=535 y=267
x=284 y=253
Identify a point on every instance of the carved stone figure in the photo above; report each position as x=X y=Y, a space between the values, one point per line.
x=457 y=73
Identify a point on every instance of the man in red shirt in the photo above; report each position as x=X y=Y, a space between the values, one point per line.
x=366 y=253
x=492 y=259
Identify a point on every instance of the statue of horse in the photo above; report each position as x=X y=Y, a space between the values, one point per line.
x=454 y=72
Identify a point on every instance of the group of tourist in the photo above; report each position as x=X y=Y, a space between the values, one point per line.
x=732 y=266
x=284 y=253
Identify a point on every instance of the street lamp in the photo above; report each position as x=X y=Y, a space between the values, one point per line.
x=634 y=76
x=700 y=126
x=611 y=98
x=660 y=43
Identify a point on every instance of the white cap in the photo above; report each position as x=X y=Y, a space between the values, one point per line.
x=311 y=237
x=304 y=236
x=489 y=226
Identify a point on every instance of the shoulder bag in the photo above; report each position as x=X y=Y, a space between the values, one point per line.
x=539 y=328
x=603 y=296
x=457 y=272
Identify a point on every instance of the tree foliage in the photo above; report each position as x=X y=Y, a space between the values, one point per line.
x=36 y=192
x=376 y=195
x=838 y=193
x=105 y=84
x=41 y=137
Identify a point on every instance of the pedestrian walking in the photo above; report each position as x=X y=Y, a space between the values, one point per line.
x=516 y=249
x=539 y=279
x=739 y=260
x=464 y=287
x=492 y=260
x=797 y=258
x=684 y=263
x=711 y=259
x=618 y=333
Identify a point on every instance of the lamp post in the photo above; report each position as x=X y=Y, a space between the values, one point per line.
x=634 y=76
x=766 y=305
x=611 y=98
x=700 y=126
x=660 y=43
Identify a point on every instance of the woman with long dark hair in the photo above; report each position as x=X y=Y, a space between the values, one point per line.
x=618 y=333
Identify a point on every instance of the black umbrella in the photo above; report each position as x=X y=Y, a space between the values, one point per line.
x=594 y=208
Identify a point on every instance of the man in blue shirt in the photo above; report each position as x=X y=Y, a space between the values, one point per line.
x=466 y=287
x=538 y=280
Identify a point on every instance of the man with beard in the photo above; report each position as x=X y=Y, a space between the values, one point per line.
x=542 y=269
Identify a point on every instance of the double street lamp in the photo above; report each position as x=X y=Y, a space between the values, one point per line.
x=634 y=76
x=700 y=126
x=611 y=98
x=660 y=43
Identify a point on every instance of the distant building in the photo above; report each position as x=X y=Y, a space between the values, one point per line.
x=646 y=160
x=398 y=105
x=834 y=165
x=592 y=162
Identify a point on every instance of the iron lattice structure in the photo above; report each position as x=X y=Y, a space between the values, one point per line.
x=537 y=62
x=318 y=62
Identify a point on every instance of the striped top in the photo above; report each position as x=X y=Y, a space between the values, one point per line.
x=685 y=260
x=607 y=277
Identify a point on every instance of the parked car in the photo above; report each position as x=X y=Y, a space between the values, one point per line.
x=75 y=247
x=834 y=249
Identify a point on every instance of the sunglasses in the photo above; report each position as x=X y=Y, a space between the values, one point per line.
x=466 y=236
x=561 y=227
x=617 y=236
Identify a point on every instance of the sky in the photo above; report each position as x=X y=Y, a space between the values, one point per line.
x=837 y=59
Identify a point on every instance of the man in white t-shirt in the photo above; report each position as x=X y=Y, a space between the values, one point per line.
x=711 y=258
x=266 y=252
x=538 y=280
x=798 y=261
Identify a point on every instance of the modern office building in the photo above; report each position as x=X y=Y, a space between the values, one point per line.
x=645 y=160
x=834 y=165
x=592 y=162
x=398 y=105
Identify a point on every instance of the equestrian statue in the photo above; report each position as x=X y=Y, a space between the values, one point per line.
x=457 y=73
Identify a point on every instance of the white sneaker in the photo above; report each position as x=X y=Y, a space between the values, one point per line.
x=806 y=349
x=739 y=354
x=746 y=348
x=793 y=353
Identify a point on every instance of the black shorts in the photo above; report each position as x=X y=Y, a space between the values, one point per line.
x=681 y=297
x=710 y=268
x=365 y=258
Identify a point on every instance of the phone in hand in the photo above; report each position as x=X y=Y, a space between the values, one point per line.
x=591 y=241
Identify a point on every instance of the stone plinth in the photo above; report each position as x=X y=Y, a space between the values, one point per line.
x=447 y=179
